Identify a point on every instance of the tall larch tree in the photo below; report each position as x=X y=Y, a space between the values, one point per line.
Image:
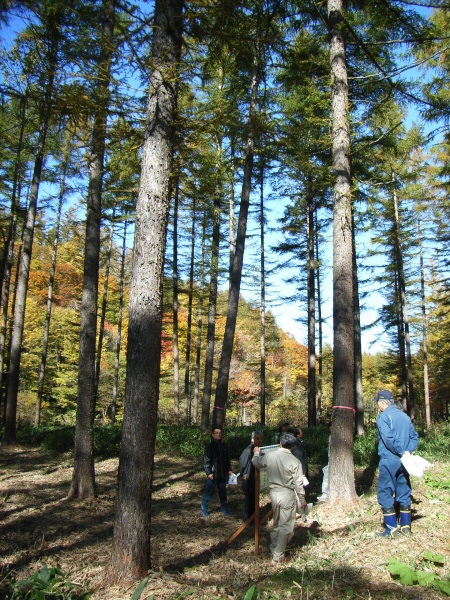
x=131 y=554
x=83 y=477
x=341 y=475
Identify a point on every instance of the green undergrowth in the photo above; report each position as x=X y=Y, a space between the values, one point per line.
x=191 y=441
x=48 y=582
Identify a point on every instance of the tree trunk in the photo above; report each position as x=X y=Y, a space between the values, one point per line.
x=198 y=355
x=319 y=319
x=212 y=303
x=236 y=274
x=359 y=393
x=83 y=478
x=51 y=283
x=176 y=350
x=187 y=366
x=131 y=556
x=426 y=385
x=404 y=312
x=312 y=408
x=9 y=435
x=341 y=474
x=119 y=328
x=101 y=332
x=263 y=301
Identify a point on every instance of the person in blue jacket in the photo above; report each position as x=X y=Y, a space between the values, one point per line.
x=396 y=437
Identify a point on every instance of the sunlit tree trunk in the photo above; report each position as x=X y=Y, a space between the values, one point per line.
x=131 y=556
x=359 y=394
x=341 y=473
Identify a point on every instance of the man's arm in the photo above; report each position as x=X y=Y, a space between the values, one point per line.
x=259 y=460
x=413 y=439
x=208 y=462
x=385 y=429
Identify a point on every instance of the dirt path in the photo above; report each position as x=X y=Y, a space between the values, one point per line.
x=336 y=554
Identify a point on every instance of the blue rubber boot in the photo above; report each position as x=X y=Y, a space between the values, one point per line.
x=224 y=509
x=390 y=520
x=205 y=512
x=405 y=519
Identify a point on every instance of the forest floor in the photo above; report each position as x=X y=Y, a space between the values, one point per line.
x=335 y=554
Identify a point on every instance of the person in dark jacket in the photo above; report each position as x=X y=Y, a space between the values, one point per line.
x=217 y=469
x=299 y=450
x=396 y=437
x=247 y=470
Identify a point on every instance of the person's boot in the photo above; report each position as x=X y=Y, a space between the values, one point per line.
x=390 y=520
x=405 y=519
x=224 y=509
x=205 y=512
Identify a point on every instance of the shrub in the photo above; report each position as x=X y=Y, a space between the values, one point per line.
x=48 y=583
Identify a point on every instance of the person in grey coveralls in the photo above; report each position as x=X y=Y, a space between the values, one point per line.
x=285 y=477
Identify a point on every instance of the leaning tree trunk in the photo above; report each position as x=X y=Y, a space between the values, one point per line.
x=341 y=474
x=238 y=261
x=83 y=478
x=9 y=435
x=131 y=556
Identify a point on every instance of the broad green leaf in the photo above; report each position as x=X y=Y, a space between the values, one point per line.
x=443 y=586
x=425 y=577
x=436 y=558
x=408 y=576
x=395 y=566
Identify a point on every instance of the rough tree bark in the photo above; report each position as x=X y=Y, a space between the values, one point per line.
x=83 y=478
x=341 y=474
x=131 y=555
